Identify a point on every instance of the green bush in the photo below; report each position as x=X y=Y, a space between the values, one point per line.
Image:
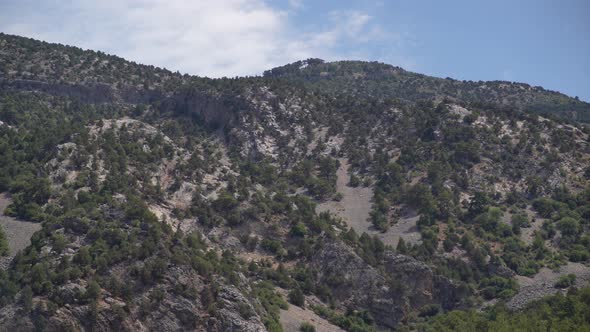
x=4 y=249
x=306 y=327
x=272 y=303
x=568 y=226
x=498 y=287
x=566 y=281
x=555 y=313
x=296 y=297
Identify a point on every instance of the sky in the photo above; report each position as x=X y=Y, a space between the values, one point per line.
x=539 y=42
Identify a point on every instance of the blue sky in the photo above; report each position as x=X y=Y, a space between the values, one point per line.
x=540 y=42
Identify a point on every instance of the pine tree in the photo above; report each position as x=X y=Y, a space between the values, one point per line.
x=401 y=246
x=4 y=249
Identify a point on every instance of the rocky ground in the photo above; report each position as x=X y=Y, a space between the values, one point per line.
x=18 y=233
x=542 y=284
x=292 y=318
x=355 y=206
x=536 y=222
x=405 y=228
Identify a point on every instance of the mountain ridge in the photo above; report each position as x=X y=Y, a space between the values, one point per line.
x=313 y=71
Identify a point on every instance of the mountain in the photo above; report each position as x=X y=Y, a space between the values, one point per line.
x=337 y=196
x=383 y=81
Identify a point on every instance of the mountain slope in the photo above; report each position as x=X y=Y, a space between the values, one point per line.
x=385 y=81
x=171 y=202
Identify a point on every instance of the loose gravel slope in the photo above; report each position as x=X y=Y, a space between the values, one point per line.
x=17 y=232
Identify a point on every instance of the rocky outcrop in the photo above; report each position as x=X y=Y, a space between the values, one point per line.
x=157 y=308
x=215 y=112
x=404 y=285
x=423 y=286
x=235 y=313
x=499 y=268
x=95 y=93
x=210 y=110
x=12 y=319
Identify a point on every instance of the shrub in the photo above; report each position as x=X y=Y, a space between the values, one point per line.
x=299 y=229
x=306 y=327
x=498 y=287
x=429 y=310
x=4 y=250
x=566 y=281
x=354 y=181
x=225 y=202
x=93 y=291
x=568 y=226
x=297 y=298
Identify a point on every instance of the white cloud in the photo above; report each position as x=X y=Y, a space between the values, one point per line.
x=296 y=4
x=357 y=26
x=208 y=38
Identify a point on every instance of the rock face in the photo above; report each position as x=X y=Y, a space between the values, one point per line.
x=210 y=110
x=87 y=93
x=171 y=312
x=405 y=284
x=422 y=286
x=236 y=313
x=355 y=283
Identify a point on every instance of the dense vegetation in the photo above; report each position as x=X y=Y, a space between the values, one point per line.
x=555 y=313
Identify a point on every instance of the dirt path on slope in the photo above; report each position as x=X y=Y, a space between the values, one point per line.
x=18 y=233
x=542 y=284
x=355 y=206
